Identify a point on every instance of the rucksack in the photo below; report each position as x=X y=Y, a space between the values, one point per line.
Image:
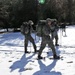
x=24 y=28
x=39 y=27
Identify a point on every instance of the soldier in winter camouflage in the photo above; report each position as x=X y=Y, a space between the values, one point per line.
x=26 y=31
x=46 y=39
x=63 y=27
x=54 y=31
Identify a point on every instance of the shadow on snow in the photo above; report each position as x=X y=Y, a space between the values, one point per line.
x=20 y=64
x=46 y=70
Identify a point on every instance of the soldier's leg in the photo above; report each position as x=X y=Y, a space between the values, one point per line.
x=50 y=44
x=65 y=31
x=25 y=45
x=32 y=41
x=43 y=45
x=56 y=40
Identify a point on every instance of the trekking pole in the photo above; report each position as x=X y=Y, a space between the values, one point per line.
x=31 y=33
x=65 y=32
x=30 y=47
x=35 y=34
x=36 y=38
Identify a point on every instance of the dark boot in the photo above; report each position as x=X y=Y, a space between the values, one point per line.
x=35 y=48
x=56 y=57
x=36 y=51
x=39 y=57
x=27 y=52
x=56 y=44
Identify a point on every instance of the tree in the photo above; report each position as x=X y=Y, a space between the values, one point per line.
x=70 y=11
x=3 y=16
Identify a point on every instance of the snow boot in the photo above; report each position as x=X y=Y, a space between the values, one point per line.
x=56 y=57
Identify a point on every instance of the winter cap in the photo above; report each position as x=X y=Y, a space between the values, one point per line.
x=30 y=22
x=48 y=19
x=55 y=20
x=25 y=23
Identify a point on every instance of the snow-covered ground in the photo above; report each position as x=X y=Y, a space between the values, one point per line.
x=13 y=61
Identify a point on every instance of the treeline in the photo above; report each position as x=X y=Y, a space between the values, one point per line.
x=14 y=12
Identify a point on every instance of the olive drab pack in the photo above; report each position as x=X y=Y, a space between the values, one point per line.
x=39 y=27
x=24 y=28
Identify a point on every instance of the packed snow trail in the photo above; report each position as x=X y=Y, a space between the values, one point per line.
x=13 y=61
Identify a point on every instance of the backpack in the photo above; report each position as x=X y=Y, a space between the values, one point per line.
x=39 y=27
x=24 y=28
